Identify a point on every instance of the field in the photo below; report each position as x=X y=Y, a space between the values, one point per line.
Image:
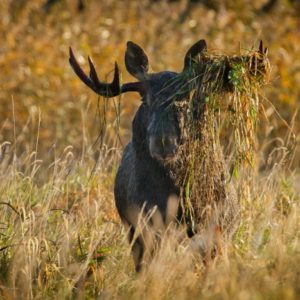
x=60 y=234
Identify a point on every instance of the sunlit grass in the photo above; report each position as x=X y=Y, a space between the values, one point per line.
x=64 y=238
x=60 y=235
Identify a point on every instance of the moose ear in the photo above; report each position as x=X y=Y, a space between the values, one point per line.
x=195 y=50
x=136 y=61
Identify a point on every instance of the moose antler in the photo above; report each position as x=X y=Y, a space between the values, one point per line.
x=261 y=49
x=101 y=88
x=259 y=63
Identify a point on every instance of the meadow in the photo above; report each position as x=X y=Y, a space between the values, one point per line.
x=60 y=234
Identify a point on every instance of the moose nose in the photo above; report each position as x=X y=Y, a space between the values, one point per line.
x=163 y=148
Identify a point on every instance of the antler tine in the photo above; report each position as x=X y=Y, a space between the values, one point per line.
x=115 y=85
x=261 y=47
x=79 y=72
x=93 y=73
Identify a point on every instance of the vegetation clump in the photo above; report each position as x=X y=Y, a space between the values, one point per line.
x=226 y=89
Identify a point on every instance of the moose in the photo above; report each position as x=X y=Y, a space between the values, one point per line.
x=152 y=162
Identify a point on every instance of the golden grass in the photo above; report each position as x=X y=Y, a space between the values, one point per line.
x=60 y=236
x=64 y=238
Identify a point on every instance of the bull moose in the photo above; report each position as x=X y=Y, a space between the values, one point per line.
x=150 y=173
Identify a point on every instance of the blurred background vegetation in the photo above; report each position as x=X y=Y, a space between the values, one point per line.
x=41 y=97
x=59 y=229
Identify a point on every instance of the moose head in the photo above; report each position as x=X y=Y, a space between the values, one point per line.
x=159 y=127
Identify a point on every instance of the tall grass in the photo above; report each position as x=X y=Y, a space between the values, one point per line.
x=63 y=239
x=60 y=235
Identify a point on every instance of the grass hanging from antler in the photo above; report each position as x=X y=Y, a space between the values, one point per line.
x=220 y=82
x=233 y=82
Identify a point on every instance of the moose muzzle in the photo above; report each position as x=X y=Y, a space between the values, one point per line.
x=163 y=148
